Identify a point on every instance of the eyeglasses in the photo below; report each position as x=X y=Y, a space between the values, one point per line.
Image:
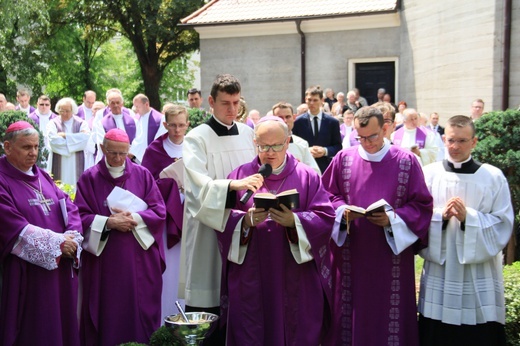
x=265 y=148
x=452 y=141
x=177 y=126
x=116 y=153
x=389 y=121
x=371 y=138
x=44 y=104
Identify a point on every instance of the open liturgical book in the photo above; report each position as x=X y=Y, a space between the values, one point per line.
x=289 y=198
x=376 y=207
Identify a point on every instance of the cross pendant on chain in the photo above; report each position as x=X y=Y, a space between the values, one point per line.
x=44 y=203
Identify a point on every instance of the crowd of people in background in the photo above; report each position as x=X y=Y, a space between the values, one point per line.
x=162 y=214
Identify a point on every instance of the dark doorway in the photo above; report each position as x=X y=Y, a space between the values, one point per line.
x=374 y=75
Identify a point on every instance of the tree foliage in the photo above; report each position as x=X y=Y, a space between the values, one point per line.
x=20 y=56
x=64 y=47
x=151 y=27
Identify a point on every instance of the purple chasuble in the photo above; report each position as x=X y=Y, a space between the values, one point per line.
x=109 y=123
x=155 y=159
x=270 y=299
x=122 y=287
x=420 y=137
x=38 y=306
x=374 y=297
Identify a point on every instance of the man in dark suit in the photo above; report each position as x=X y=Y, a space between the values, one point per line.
x=325 y=141
x=434 y=124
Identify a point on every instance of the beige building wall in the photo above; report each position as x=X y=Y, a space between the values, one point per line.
x=455 y=54
x=514 y=92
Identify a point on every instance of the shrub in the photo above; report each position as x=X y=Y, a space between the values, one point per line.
x=499 y=145
x=9 y=117
x=197 y=117
x=512 y=295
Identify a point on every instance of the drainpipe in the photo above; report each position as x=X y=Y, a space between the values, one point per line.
x=302 y=57
x=507 y=54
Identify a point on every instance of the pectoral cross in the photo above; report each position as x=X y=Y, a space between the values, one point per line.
x=44 y=203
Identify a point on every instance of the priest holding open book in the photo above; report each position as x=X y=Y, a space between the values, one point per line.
x=373 y=255
x=276 y=262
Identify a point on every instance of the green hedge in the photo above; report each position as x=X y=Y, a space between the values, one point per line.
x=512 y=295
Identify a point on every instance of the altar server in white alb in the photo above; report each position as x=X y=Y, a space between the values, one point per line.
x=210 y=152
x=462 y=292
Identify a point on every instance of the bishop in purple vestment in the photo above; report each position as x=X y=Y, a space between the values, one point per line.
x=276 y=278
x=373 y=259
x=40 y=247
x=124 y=258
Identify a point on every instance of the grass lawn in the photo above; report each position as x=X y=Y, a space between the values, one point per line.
x=418 y=268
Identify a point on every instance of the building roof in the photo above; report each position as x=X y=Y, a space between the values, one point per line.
x=218 y=12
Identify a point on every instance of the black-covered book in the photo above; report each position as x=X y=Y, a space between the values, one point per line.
x=289 y=198
x=375 y=207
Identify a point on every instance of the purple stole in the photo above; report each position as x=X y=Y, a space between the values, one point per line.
x=36 y=118
x=31 y=109
x=81 y=112
x=154 y=122
x=420 y=137
x=109 y=123
x=80 y=158
x=124 y=110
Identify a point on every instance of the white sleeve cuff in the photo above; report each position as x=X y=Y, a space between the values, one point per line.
x=301 y=251
x=141 y=232
x=93 y=242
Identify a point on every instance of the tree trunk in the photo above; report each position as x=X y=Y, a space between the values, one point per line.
x=3 y=81
x=152 y=76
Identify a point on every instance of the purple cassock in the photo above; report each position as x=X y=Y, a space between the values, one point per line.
x=38 y=306
x=270 y=299
x=374 y=297
x=155 y=159
x=36 y=118
x=122 y=287
x=109 y=123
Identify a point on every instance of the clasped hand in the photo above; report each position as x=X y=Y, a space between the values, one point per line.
x=121 y=221
x=317 y=151
x=69 y=246
x=454 y=207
